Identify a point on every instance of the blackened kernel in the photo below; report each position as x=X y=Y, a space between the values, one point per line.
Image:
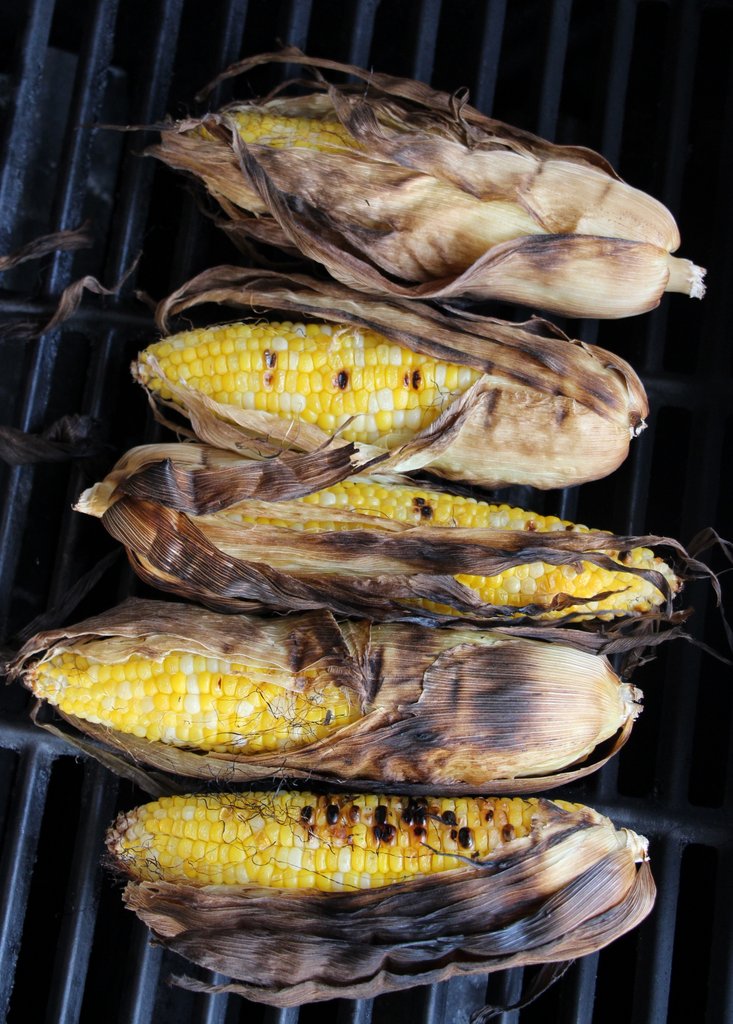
x=426 y=512
x=419 y=831
x=454 y=833
x=270 y=358
x=333 y=813
x=306 y=813
x=420 y=816
x=531 y=525
x=490 y=815
x=449 y=817
x=388 y=833
x=267 y=379
x=416 y=379
x=569 y=528
x=465 y=838
x=354 y=812
x=507 y=833
x=419 y=502
x=406 y=379
x=407 y=816
x=341 y=380
x=380 y=814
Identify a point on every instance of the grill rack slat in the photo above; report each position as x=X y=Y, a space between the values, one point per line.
x=671 y=820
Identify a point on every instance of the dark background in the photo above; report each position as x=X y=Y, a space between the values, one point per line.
x=650 y=85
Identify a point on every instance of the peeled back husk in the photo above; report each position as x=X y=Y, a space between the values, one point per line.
x=546 y=411
x=568 y=888
x=456 y=709
x=188 y=518
x=415 y=194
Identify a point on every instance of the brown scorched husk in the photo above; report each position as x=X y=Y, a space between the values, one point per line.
x=457 y=709
x=547 y=412
x=413 y=193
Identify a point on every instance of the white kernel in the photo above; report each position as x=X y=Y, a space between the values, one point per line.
x=512 y=585
x=344 y=861
x=438 y=378
x=297 y=403
x=285 y=402
x=327 y=498
x=279 y=344
x=385 y=399
x=413 y=418
x=192 y=703
x=395 y=355
x=186 y=665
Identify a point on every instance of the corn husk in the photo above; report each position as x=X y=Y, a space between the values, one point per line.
x=436 y=201
x=572 y=886
x=162 y=502
x=456 y=709
x=547 y=411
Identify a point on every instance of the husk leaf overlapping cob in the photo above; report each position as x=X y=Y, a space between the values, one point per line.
x=390 y=706
x=469 y=398
x=299 y=897
x=401 y=190
x=378 y=546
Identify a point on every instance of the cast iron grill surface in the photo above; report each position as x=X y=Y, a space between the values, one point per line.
x=650 y=84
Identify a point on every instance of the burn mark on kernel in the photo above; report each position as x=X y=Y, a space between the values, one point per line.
x=406 y=379
x=306 y=813
x=270 y=358
x=267 y=379
x=531 y=525
x=354 y=813
x=423 y=507
x=333 y=814
x=490 y=815
x=449 y=818
x=341 y=380
x=380 y=814
x=465 y=838
x=454 y=833
x=416 y=379
x=507 y=833
x=419 y=831
x=384 y=833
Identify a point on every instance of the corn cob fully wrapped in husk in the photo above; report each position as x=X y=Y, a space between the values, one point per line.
x=299 y=898
x=398 y=189
x=240 y=534
x=469 y=398
x=379 y=706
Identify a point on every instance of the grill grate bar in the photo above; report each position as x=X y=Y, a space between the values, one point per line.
x=141 y=983
x=552 y=76
x=213 y=1008
x=77 y=933
x=656 y=937
x=20 y=127
x=284 y=1015
x=16 y=866
x=720 y=986
x=624 y=23
x=362 y=31
x=582 y=990
x=355 y=1011
x=491 y=46
x=426 y=38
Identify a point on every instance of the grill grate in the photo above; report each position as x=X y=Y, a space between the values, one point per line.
x=647 y=82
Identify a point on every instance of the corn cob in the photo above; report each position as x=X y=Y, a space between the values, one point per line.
x=409 y=384
x=306 y=841
x=367 y=545
x=397 y=193
x=376 y=704
x=300 y=897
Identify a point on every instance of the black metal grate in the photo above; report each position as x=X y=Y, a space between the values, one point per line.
x=650 y=84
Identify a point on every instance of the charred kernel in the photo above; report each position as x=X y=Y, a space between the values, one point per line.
x=354 y=813
x=387 y=833
x=490 y=815
x=454 y=833
x=420 y=817
x=419 y=502
x=465 y=838
x=426 y=512
x=341 y=380
x=333 y=813
x=306 y=812
x=406 y=379
x=380 y=814
x=416 y=379
x=418 y=831
x=407 y=816
x=507 y=833
x=531 y=525
x=267 y=379
x=270 y=358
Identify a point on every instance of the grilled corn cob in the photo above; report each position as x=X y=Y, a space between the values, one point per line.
x=379 y=705
x=394 y=191
x=367 y=545
x=302 y=897
x=409 y=384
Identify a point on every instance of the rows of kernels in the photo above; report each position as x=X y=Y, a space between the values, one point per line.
x=195 y=701
x=300 y=840
x=535 y=583
x=321 y=134
x=315 y=373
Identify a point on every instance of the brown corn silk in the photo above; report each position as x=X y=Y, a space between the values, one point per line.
x=459 y=709
x=162 y=502
x=418 y=195
x=546 y=411
x=570 y=887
